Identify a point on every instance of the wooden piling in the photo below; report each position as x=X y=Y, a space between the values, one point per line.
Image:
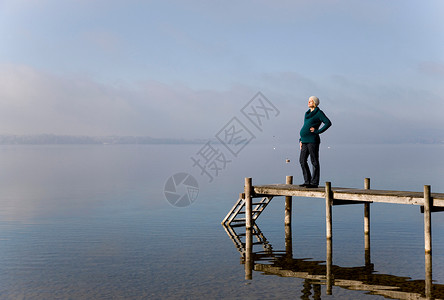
x=248 y=254
x=329 y=267
x=367 y=183
x=367 y=218
x=329 y=235
x=248 y=189
x=367 y=225
x=427 y=219
x=367 y=209
x=328 y=210
x=288 y=242
x=428 y=276
x=288 y=203
x=288 y=208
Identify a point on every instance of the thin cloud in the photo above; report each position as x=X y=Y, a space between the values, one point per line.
x=33 y=101
x=432 y=68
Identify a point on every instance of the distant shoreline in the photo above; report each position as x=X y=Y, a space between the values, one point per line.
x=53 y=139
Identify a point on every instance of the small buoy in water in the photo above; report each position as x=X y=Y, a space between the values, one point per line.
x=287 y=160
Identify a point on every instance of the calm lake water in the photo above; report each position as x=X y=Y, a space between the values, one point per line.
x=92 y=222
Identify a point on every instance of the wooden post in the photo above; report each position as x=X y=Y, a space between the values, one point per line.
x=288 y=237
x=288 y=242
x=248 y=189
x=329 y=235
x=367 y=183
x=248 y=254
x=367 y=209
x=289 y=180
x=248 y=203
x=329 y=266
x=428 y=276
x=367 y=225
x=427 y=219
x=328 y=210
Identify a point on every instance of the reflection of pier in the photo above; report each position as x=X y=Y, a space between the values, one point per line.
x=257 y=254
x=317 y=273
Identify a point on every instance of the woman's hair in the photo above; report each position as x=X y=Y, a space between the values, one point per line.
x=315 y=100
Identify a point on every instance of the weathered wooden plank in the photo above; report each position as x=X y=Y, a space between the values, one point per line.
x=339 y=193
x=379 y=196
x=288 y=190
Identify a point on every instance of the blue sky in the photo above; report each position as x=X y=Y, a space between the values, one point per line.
x=185 y=68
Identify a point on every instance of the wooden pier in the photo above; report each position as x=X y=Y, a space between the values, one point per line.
x=245 y=211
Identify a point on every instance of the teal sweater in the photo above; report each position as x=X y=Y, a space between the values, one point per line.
x=314 y=119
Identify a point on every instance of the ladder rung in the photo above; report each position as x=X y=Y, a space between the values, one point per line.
x=238 y=220
x=237 y=225
x=243 y=234
x=253 y=211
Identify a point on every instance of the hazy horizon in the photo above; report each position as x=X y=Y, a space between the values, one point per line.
x=51 y=139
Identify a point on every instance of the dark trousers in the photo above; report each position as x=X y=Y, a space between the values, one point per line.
x=312 y=150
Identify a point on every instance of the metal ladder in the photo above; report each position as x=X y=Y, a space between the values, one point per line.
x=237 y=213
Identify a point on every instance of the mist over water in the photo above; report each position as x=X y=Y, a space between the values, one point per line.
x=92 y=221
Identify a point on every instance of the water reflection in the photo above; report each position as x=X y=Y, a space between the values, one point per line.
x=257 y=254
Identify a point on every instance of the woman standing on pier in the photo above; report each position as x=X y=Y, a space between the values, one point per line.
x=309 y=142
